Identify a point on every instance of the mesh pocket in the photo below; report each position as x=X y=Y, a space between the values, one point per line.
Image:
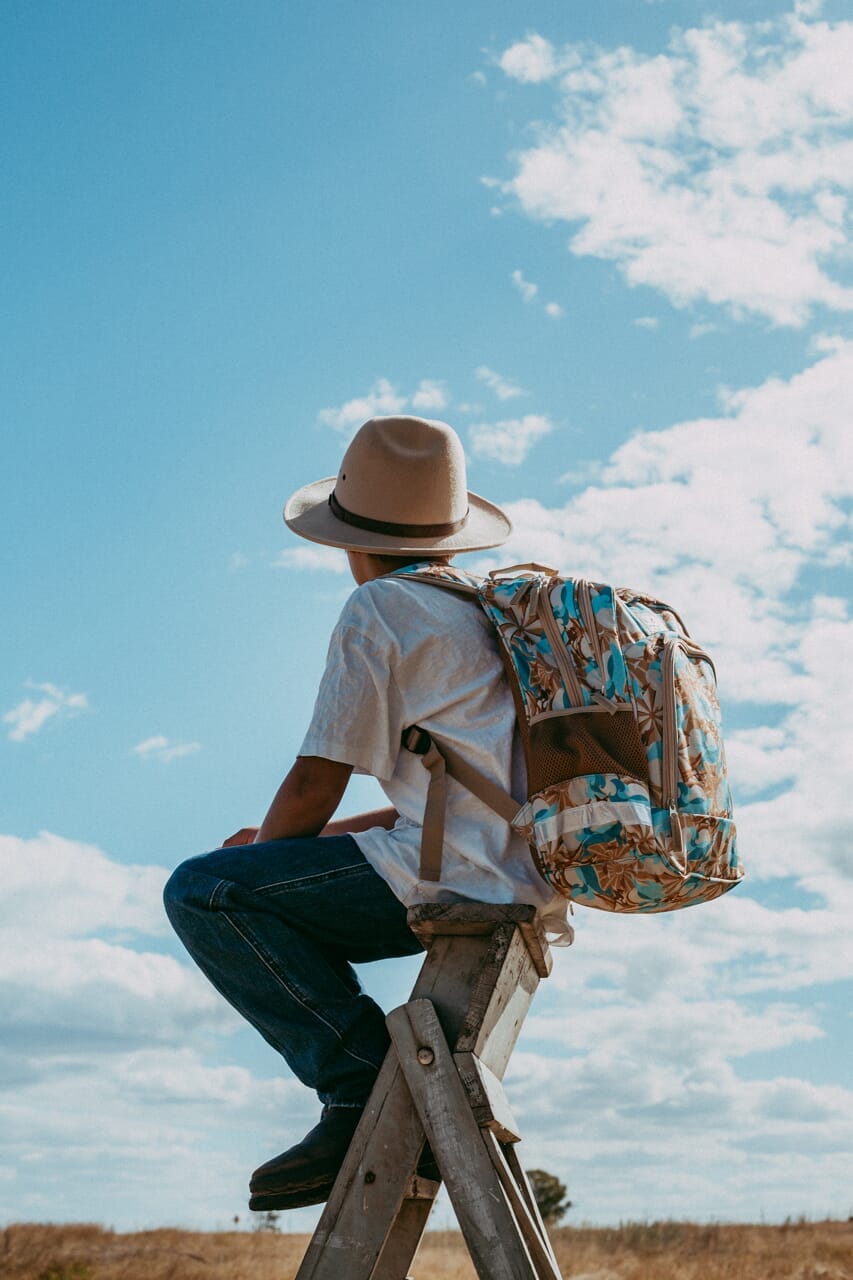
x=571 y=746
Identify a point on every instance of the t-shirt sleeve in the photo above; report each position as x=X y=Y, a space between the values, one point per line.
x=358 y=714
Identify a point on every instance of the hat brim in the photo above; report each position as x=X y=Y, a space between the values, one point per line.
x=308 y=513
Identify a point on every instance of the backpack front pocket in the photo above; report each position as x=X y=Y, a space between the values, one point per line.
x=595 y=818
x=598 y=841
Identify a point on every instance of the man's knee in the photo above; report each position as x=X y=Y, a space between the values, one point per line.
x=189 y=887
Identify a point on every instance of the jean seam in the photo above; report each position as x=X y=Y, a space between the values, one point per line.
x=220 y=888
x=320 y=878
x=295 y=994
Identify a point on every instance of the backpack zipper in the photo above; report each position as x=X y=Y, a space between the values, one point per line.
x=583 y=591
x=669 y=761
x=694 y=650
x=558 y=648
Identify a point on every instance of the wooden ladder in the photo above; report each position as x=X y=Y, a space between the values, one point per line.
x=441 y=1082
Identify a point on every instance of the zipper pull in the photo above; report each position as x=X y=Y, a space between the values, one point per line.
x=677 y=839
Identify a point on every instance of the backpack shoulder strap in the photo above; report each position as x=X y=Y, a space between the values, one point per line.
x=440 y=761
x=444 y=760
x=442 y=575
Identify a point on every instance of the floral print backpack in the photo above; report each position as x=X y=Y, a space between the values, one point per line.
x=629 y=806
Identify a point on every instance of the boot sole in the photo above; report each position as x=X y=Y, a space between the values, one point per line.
x=294 y=1198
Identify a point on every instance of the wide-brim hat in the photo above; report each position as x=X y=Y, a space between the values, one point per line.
x=401 y=490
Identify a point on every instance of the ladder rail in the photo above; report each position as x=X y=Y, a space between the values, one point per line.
x=441 y=1083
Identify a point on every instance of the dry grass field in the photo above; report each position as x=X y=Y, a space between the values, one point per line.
x=647 y=1251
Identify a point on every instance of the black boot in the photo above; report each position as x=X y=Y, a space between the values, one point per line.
x=306 y=1173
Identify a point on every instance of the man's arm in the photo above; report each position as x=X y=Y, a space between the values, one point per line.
x=305 y=802
x=362 y=822
x=306 y=799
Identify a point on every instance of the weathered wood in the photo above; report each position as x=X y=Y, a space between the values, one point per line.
x=406 y=1232
x=431 y=920
x=359 y=1215
x=369 y=1190
x=490 y=1228
x=466 y=917
x=486 y=1097
x=456 y=969
x=473 y=991
x=523 y=1182
x=499 y=1004
x=530 y=1225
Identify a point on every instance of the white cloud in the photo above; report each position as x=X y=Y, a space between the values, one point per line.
x=28 y=717
x=680 y=1034
x=796 y=834
x=511 y=440
x=756 y=950
x=31 y=714
x=103 y=1082
x=382 y=399
x=430 y=395
x=103 y=1065
x=315 y=557
x=665 y=1139
x=637 y=1033
x=728 y=517
x=160 y=748
x=71 y=980
x=526 y=288
x=145 y=1136
x=502 y=388
x=647 y=322
x=87 y=890
x=762 y=757
x=673 y=515
x=531 y=60
x=641 y=1024
x=529 y=292
x=583 y=472
x=718 y=169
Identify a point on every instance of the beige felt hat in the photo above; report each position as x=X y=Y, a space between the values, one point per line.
x=401 y=489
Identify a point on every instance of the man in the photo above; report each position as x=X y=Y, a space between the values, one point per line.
x=278 y=914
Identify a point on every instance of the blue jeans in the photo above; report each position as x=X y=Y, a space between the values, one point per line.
x=274 y=927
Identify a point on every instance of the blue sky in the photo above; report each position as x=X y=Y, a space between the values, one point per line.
x=611 y=246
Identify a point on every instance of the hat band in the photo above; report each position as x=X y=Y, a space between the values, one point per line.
x=398 y=530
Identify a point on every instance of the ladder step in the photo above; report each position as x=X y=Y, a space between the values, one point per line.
x=487 y=1098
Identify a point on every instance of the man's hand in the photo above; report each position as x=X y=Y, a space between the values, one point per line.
x=246 y=835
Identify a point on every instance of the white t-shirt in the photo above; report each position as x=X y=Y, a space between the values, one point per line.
x=406 y=653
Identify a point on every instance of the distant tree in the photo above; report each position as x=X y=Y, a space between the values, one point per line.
x=549 y=1193
x=267 y=1221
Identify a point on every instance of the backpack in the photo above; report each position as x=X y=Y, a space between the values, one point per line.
x=629 y=807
